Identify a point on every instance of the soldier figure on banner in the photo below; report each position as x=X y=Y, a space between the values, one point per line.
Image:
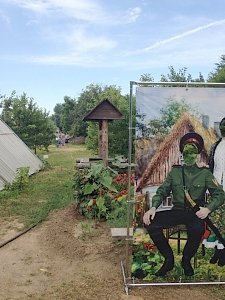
x=194 y=181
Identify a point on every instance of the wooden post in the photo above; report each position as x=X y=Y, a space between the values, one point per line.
x=103 y=113
x=100 y=138
x=103 y=141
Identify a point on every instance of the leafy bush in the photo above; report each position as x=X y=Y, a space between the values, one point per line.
x=94 y=190
x=118 y=215
x=101 y=193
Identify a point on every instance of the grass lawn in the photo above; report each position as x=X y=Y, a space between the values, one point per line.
x=49 y=189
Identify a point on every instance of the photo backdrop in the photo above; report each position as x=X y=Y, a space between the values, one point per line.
x=164 y=115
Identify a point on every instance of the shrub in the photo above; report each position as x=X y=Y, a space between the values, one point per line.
x=94 y=190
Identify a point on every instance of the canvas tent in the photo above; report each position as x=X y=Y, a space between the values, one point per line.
x=14 y=154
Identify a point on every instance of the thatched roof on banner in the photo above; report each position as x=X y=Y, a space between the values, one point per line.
x=145 y=149
x=168 y=153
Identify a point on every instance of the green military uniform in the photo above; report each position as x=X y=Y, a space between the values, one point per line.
x=198 y=180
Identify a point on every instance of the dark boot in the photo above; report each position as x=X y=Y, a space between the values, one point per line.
x=164 y=248
x=186 y=265
x=221 y=261
x=214 y=259
x=166 y=267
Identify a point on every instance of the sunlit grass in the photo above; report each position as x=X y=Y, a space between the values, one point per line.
x=49 y=189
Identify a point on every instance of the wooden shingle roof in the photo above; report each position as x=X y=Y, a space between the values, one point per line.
x=105 y=110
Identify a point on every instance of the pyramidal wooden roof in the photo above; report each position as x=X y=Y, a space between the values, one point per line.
x=105 y=110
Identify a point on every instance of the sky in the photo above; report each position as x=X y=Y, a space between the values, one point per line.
x=55 y=48
x=150 y=101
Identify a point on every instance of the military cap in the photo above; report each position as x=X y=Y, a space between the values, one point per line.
x=193 y=138
x=222 y=121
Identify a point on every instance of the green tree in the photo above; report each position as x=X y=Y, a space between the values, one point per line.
x=32 y=124
x=67 y=114
x=57 y=116
x=180 y=76
x=64 y=115
x=146 y=77
x=87 y=100
x=169 y=115
x=218 y=75
x=173 y=111
x=118 y=139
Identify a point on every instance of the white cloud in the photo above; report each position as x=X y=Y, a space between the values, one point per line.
x=83 y=10
x=79 y=39
x=37 y=6
x=87 y=44
x=176 y=37
x=86 y=10
x=4 y=18
x=77 y=59
x=82 y=41
x=54 y=59
x=132 y=15
x=94 y=59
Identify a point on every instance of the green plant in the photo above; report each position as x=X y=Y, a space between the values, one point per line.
x=86 y=229
x=145 y=260
x=94 y=190
x=21 y=181
x=117 y=217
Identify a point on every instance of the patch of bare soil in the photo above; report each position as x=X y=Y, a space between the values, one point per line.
x=66 y=258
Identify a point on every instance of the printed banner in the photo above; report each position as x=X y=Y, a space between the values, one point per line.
x=188 y=251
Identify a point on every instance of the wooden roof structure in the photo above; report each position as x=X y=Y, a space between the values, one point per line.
x=168 y=152
x=103 y=113
x=105 y=110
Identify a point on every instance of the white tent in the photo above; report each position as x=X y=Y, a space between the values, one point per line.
x=14 y=154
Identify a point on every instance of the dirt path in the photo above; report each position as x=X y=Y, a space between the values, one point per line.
x=60 y=259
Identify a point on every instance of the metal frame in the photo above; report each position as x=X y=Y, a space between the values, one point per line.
x=128 y=281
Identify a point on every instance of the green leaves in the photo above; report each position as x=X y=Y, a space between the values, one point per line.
x=100 y=202
x=30 y=123
x=21 y=181
x=95 y=170
x=218 y=75
x=94 y=190
x=99 y=177
x=89 y=188
x=106 y=181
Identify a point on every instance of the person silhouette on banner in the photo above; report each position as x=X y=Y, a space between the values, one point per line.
x=217 y=167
